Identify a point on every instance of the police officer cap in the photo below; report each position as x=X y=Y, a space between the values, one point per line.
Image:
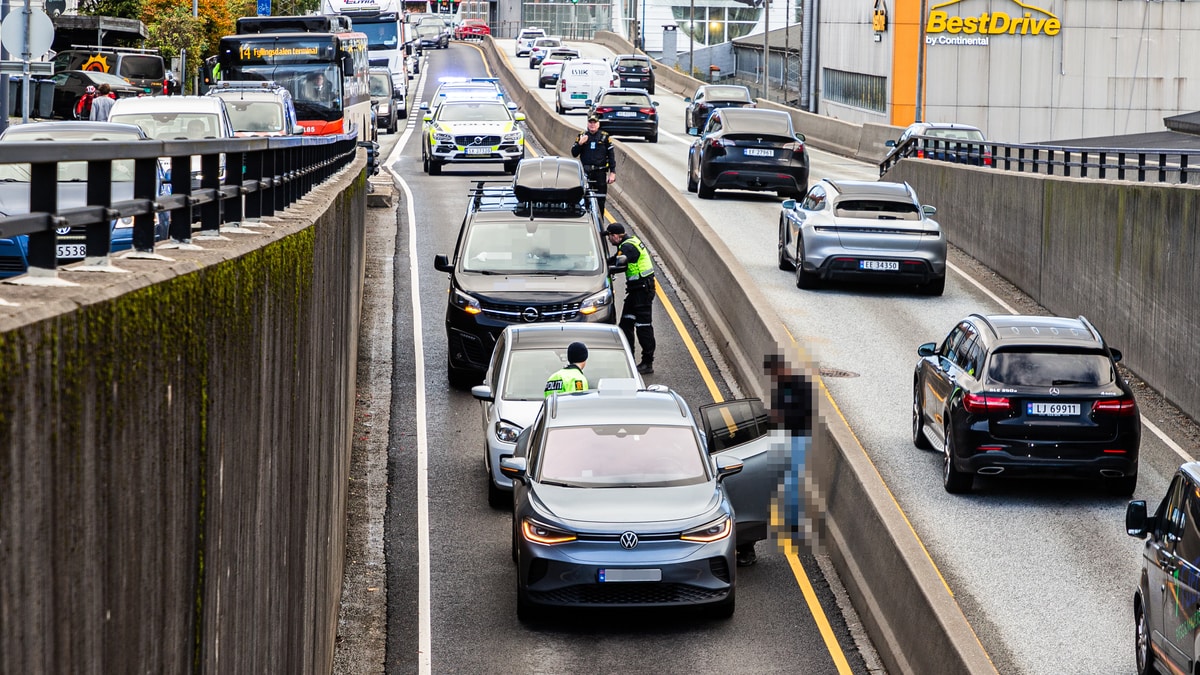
x=577 y=352
x=593 y=117
x=614 y=228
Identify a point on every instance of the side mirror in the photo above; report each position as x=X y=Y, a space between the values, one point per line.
x=890 y=144
x=789 y=204
x=297 y=130
x=423 y=106
x=347 y=66
x=397 y=92
x=727 y=466
x=693 y=131
x=427 y=118
x=687 y=99
x=800 y=137
x=483 y=392
x=1116 y=354
x=441 y=263
x=513 y=467
x=654 y=103
x=927 y=349
x=929 y=210
x=520 y=117
x=1136 y=524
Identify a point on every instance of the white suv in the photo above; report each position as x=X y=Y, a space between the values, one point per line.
x=525 y=40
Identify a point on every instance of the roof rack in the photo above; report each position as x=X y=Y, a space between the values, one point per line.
x=106 y=48
x=987 y=322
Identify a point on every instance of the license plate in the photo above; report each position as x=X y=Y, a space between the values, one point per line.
x=624 y=113
x=759 y=152
x=582 y=96
x=610 y=576
x=1052 y=409
x=479 y=151
x=71 y=250
x=879 y=265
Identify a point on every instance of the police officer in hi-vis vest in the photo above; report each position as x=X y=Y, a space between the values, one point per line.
x=634 y=259
x=570 y=379
x=595 y=151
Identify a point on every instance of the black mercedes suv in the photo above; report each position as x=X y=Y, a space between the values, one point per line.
x=528 y=251
x=1026 y=395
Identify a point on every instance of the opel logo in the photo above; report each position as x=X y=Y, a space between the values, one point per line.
x=1054 y=391
x=629 y=540
x=530 y=314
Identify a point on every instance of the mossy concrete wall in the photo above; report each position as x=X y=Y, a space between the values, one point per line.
x=174 y=450
x=1125 y=255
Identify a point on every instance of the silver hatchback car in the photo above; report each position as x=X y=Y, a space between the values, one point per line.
x=620 y=500
x=525 y=356
x=865 y=230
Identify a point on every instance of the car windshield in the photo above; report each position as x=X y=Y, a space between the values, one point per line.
x=479 y=111
x=174 y=126
x=727 y=94
x=68 y=172
x=528 y=370
x=532 y=246
x=255 y=116
x=1041 y=368
x=625 y=99
x=379 y=85
x=956 y=134
x=622 y=455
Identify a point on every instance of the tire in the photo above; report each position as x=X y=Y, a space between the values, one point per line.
x=652 y=138
x=435 y=167
x=691 y=182
x=462 y=379
x=784 y=264
x=541 y=85
x=558 y=106
x=1143 y=654
x=526 y=610
x=511 y=167
x=703 y=191
x=1120 y=487
x=424 y=162
x=804 y=279
x=954 y=481
x=499 y=499
x=918 y=425
x=935 y=287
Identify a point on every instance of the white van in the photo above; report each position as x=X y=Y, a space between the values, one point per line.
x=581 y=82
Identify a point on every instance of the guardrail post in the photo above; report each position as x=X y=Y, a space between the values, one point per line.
x=43 y=249
x=145 y=225
x=1083 y=165
x=1050 y=163
x=254 y=174
x=235 y=173
x=98 y=237
x=181 y=184
x=1162 y=167
x=210 y=212
x=1183 y=168
x=271 y=176
x=1141 y=165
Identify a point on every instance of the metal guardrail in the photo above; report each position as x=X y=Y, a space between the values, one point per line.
x=275 y=172
x=1144 y=165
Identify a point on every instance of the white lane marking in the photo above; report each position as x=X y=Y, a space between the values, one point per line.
x=424 y=641
x=1162 y=436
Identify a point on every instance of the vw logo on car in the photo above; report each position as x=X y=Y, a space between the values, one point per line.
x=629 y=540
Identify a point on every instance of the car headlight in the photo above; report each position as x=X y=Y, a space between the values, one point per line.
x=543 y=534
x=125 y=222
x=513 y=136
x=465 y=302
x=507 y=432
x=383 y=108
x=596 y=301
x=443 y=137
x=714 y=531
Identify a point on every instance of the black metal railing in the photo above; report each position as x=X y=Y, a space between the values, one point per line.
x=239 y=179
x=1146 y=165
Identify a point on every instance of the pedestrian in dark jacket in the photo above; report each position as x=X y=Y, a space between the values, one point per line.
x=595 y=151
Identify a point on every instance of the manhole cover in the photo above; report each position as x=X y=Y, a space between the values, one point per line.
x=837 y=372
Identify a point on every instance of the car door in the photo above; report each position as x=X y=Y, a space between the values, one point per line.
x=738 y=429
x=813 y=203
x=938 y=380
x=1181 y=568
x=691 y=109
x=712 y=127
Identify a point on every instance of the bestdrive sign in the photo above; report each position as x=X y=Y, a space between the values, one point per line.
x=944 y=28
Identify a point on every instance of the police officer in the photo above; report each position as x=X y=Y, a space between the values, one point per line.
x=570 y=379
x=594 y=149
x=634 y=259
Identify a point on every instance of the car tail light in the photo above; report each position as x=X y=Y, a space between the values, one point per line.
x=991 y=448
x=982 y=403
x=717 y=143
x=920 y=154
x=987 y=159
x=1115 y=451
x=562 y=84
x=648 y=111
x=601 y=111
x=796 y=148
x=1116 y=406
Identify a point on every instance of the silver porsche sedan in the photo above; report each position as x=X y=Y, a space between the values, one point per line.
x=621 y=501
x=873 y=231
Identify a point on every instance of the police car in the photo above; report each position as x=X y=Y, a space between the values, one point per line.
x=467 y=88
x=472 y=131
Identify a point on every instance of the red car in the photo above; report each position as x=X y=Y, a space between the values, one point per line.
x=471 y=29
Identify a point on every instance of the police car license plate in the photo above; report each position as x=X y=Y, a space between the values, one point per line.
x=626 y=113
x=609 y=576
x=1052 y=409
x=70 y=250
x=759 y=152
x=879 y=265
x=479 y=151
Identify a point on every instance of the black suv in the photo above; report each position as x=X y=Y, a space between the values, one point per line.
x=528 y=251
x=1026 y=395
x=1168 y=593
x=635 y=71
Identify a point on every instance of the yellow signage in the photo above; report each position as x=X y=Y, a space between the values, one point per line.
x=879 y=17
x=1035 y=21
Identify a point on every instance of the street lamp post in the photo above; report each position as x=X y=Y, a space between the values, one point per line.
x=766 y=62
x=642 y=28
x=692 y=39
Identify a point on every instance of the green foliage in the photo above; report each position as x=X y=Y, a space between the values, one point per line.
x=123 y=9
x=174 y=31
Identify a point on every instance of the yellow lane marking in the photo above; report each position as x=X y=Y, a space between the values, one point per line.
x=810 y=596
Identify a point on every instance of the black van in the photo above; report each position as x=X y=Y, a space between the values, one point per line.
x=529 y=251
x=143 y=68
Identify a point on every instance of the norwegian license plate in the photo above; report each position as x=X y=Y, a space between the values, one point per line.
x=70 y=250
x=1052 y=409
x=879 y=265
x=579 y=96
x=626 y=113
x=609 y=576
x=759 y=152
x=479 y=151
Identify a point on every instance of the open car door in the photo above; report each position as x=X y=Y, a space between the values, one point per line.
x=738 y=429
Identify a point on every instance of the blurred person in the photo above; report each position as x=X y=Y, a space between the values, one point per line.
x=102 y=104
x=594 y=149
x=570 y=379
x=637 y=311
x=792 y=410
x=83 y=107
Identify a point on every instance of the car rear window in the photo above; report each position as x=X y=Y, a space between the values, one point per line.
x=1050 y=368
x=956 y=134
x=632 y=63
x=727 y=94
x=877 y=208
x=755 y=121
x=528 y=370
x=142 y=67
x=624 y=99
x=621 y=455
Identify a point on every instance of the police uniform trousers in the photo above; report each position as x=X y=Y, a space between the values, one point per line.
x=636 y=316
x=598 y=182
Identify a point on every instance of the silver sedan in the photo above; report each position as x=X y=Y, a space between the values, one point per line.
x=865 y=230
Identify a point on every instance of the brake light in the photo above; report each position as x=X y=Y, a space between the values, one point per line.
x=1116 y=406
x=647 y=111
x=920 y=154
x=562 y=84
x=716 y=143
x=987 y=159
x=601 y=111
x=982 y=403
x=796 y=148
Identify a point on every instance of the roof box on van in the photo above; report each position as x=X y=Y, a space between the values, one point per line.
x=549 y=180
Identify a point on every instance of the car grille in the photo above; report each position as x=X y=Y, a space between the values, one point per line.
x=470 y=347
x=12 y=264
x=470 y=140
x=628 y=594
x=517 y=314
x=379 y=63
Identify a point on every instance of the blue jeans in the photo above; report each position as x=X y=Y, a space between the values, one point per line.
x=789 y=454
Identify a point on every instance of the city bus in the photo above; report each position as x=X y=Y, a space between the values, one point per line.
x=327 y=73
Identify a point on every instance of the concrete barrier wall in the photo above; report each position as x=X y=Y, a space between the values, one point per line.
x=910 y=614
x=176 y=447
x=1122 y=254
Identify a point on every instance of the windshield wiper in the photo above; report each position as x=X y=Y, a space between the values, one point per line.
x=554 y=483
